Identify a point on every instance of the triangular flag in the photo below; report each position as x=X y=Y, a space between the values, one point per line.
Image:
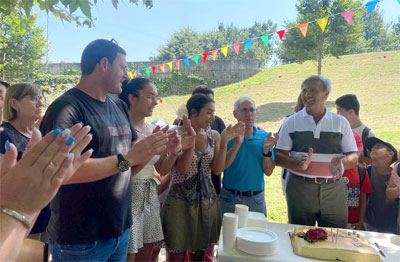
x=214 y=53
x=153 y=68
x=371 y=6
x=281 y=34
x=236 y=47
x=178 y=63
x=135 y=73
x=264 y=38
x=162 y=67
x=322 y=23
x=348 y=15
x=247 y=42
x=140 y=70
x=196 y=59
x=170 y=66
x=147 y=71
x=224 y=50
x=186 y=61
x=303 y=28
x=130 y=74
x=205 y=55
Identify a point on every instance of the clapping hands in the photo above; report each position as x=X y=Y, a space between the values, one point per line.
x=231 y=132
x=270 y=141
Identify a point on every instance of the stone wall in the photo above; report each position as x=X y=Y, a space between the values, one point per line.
x=219 y=72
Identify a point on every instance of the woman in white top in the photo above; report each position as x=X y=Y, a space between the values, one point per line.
x=140 y=94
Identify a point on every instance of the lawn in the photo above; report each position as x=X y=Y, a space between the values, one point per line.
x=373 y=77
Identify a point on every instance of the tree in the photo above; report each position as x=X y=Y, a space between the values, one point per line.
x=20 y=52
x=62 y=9
x=395 y=34
x=188 y=42
x=338 y=38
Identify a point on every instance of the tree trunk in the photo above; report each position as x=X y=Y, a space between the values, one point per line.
x=319 y=65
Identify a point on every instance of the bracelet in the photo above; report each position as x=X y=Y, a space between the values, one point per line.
x=268 y=155
x=178 y=153
x=17 y=216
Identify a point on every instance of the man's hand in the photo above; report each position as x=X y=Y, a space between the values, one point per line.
x=395 y=176
x=145 y=148
x=336 y=166
x=306 y=160
x=231 y=132
x=270 y=141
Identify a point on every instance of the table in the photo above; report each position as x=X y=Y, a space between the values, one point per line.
x=389 y=243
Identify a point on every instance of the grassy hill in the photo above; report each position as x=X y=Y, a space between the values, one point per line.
x=373 y=77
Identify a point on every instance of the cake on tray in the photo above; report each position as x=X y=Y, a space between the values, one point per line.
x=332 y=244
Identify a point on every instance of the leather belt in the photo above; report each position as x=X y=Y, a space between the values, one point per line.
x=320 y=180
x=246 y=194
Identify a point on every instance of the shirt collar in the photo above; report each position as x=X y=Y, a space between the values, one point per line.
x=328 y=114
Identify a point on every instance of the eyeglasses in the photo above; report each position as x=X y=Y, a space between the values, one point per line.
x=247 y=110
x=36 y=99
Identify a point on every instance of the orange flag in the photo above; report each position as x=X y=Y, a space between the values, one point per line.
x=224 y=50
x=214 y=54
x=162 y=67
x=170 y=66
x=322 y=23
x=303 y=28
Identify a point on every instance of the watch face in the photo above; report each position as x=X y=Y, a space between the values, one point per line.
x=123 y=166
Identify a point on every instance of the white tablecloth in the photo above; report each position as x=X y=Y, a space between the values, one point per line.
x=389 y=243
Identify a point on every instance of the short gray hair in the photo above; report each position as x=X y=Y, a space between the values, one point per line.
x=326 y=82
x=241 y=100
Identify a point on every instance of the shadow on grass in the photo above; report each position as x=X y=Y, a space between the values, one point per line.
x=272 y=112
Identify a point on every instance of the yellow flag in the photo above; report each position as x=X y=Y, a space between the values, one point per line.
x=170 y=66
x=162 y=67
x=214 y=54
x=303 y=28
x=224 y=50
x=322 y=23
x=130 y=74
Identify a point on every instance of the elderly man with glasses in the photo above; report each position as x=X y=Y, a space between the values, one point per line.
x=249 y=157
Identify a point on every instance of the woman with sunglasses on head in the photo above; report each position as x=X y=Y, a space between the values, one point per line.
x=23 y=105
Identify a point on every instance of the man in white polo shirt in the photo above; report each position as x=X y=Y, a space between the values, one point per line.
x=316 y=146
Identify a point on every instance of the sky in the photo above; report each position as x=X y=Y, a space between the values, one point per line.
x=141 y=31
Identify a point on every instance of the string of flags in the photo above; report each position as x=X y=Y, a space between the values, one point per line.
x=322 y=22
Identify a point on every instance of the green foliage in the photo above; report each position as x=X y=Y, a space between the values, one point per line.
x=21 y=49
x=188 y=42
x=395 y=34
x=338 y=38
x=62 y=9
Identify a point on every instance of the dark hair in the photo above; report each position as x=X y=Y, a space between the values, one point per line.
x=95 y=51
x=348 y=102
x=197 y=102
x=132 y=87
x=203 y=89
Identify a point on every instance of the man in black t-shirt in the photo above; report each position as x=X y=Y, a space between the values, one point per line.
x=91 y=216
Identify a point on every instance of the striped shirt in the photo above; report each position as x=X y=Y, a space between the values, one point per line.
x=331 y=137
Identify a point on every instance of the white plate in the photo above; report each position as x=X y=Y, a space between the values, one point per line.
x=256 y=241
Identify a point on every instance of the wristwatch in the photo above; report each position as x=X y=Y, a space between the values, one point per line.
x=268 y=155
x=123 y=164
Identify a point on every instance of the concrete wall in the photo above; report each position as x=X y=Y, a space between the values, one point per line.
x=219 y=72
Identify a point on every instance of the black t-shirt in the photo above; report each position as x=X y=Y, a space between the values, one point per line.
x=219 y=126
x=87 y=212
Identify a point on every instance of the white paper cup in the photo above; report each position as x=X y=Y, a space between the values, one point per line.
x=229 y=230
x=242 y=211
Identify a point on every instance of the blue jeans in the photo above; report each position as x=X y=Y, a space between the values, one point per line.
x=255 y=203
x=112 y=249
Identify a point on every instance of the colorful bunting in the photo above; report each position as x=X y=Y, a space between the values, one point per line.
x=177 y=63
x=196 y=59
x=371 y=5
x=170 y=66
x=153 y=68
x=186 y=61
x=322 y=23
x=281 y=34
x=247 y=43
x=162 y=67
x=214 y=54
x=130 y=74
x=236 y=47
x=205 y=55
x=303 y=28
x=265 y=39
x=224 y=50
x=348 y=15
x=147 y=71
x=135 y=73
